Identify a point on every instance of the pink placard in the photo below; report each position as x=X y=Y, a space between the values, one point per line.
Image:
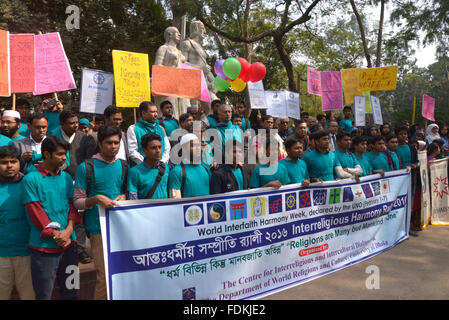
x=428 y=107
x=22 y=62
x=314 y=81
x=52 y=67
x=204 y=91
x=331 y=90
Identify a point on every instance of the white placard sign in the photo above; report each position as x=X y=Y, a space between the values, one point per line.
x=256 y=95
x=359 y=111
x=377 y=112
x=97 y=89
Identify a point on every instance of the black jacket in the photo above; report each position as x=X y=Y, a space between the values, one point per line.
x=223 y=180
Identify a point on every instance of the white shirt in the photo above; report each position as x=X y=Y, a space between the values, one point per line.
x=36 y=146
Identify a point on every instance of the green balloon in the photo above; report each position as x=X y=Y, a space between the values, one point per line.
x=221 y=84
x=232 y=68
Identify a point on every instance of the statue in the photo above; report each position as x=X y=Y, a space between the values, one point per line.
x=196 y=57
x=169 y=55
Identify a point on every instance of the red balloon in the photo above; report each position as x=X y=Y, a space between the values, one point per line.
x=244 y=72
x=257 y=72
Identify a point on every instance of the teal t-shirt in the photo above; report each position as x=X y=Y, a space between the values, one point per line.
x=259 y=179
x=141 y=179
x=320 y=165
x=53 y=120
x=142 y=127
x=297 y=171
x=364 y=164
x=395 y=158
x=14 y=228
x=18 y=138
x=212 y=122
x=238 y=176
x=246 y=124
x=5 y=141
x=377 y=162
x=53 y=192
x=345 y=124
x=23 y=130
x=170 y=126
x=196 y=183
x=108 y=182
x=228 y=131
x=57 y=132
x=405 y=155
x=345 y=159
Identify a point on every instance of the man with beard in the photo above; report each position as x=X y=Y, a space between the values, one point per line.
x=11 y=125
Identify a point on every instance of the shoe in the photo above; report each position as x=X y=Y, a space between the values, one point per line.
x=412 y=233
x=84 y=258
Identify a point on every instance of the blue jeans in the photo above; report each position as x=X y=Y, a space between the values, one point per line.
x=46 y=267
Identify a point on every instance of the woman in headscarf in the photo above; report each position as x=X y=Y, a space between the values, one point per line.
x=432 y=133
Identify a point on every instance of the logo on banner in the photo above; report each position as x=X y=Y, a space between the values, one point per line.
x=358 y=193
x=290 y=201
x=238 y=209
x=348 y=196
x=216 y=212
x=386 y=186
x=275 y=204
x=193 y=215
x=441 y=187
x=258 y=207
x=304 y=199
x=189 y=294
x=376 y=187
x=367 y=191
x=334 y=196
x=319 y=197
x=99 y=78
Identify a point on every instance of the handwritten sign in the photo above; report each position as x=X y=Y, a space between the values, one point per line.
x=131 y=77
x=52 y=68
x=97 y=89
x=377 y=111
x=176 y=82
x=331 y=90
x=378 y=79
x=205 y=96
x=5 y=84
x=256 y=95
x=22 y=62
x=350 y=82
x=314 y=81
x=428 y=107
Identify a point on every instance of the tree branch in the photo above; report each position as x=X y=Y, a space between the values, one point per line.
x=362 y=34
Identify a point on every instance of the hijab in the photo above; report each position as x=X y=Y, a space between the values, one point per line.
x=430 y=135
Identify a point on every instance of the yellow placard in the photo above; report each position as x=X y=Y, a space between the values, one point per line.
x=378 y=79
x=131 y=78
x=350 y=81
x=368 y=107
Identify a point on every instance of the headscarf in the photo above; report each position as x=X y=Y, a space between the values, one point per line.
x=430 y=135
x=84 y=121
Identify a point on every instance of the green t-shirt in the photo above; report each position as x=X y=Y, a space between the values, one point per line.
x=170 y=126
x=141 y=179
x=297 y=171
x=405 y=155
x=54 y=193
x=259 y=178
x=108 y=182
x=5 y=141
x=53 y=119
x=378 y=162
x=14 y=228
x=345 y=124
x=196 y=182
x=345 y=159
x=364 y=164
x=320 y=165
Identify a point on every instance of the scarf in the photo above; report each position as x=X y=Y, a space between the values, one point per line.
x=430 y=135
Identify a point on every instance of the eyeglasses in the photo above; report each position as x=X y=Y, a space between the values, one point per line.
x=284 y=122
x=8 y=122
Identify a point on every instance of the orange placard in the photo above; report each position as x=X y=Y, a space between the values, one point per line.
x=5 y=83
x=176 y=82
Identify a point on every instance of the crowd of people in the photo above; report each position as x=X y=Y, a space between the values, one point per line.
x=56 y=169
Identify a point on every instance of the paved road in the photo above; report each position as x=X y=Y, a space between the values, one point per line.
x=417 y=268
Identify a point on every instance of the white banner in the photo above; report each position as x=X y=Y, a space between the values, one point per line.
x=97 y=88
x=249 y=244
x=283 y=104
x=256 y=95
x=359 y=111
x=377 y=111
x=440 y=192
x=425 y=196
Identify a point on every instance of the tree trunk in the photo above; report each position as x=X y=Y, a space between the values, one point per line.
x=362 y=34
x=379 y=35
x=286 y=61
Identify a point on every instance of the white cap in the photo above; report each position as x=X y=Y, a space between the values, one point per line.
x=187 y=138
x=11 y=113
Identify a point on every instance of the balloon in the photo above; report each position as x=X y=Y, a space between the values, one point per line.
x=238 y=85
x=257 y=72
x=245 y=68
x=231 y=68
x=221 y=84
x=218 y=68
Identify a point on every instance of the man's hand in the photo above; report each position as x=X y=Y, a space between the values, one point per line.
x=59 y=106
x=62 y=238
x=104 y=201
x=305 y=183
x=27 y=156
x=121 y=197
x=317 y=180
x=275 y=184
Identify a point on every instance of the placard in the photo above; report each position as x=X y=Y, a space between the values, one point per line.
x=176 y=82
x=314 y=81
x=331 y=90
x=378 y=79
x=350 y=82
x=428 y=107
x=359 y=111
x=377 y=111
x=256 y=95
x=97 y=88
x=5 y=80
x=22 y=63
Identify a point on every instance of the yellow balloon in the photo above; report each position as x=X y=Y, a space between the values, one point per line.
x=238 y=85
